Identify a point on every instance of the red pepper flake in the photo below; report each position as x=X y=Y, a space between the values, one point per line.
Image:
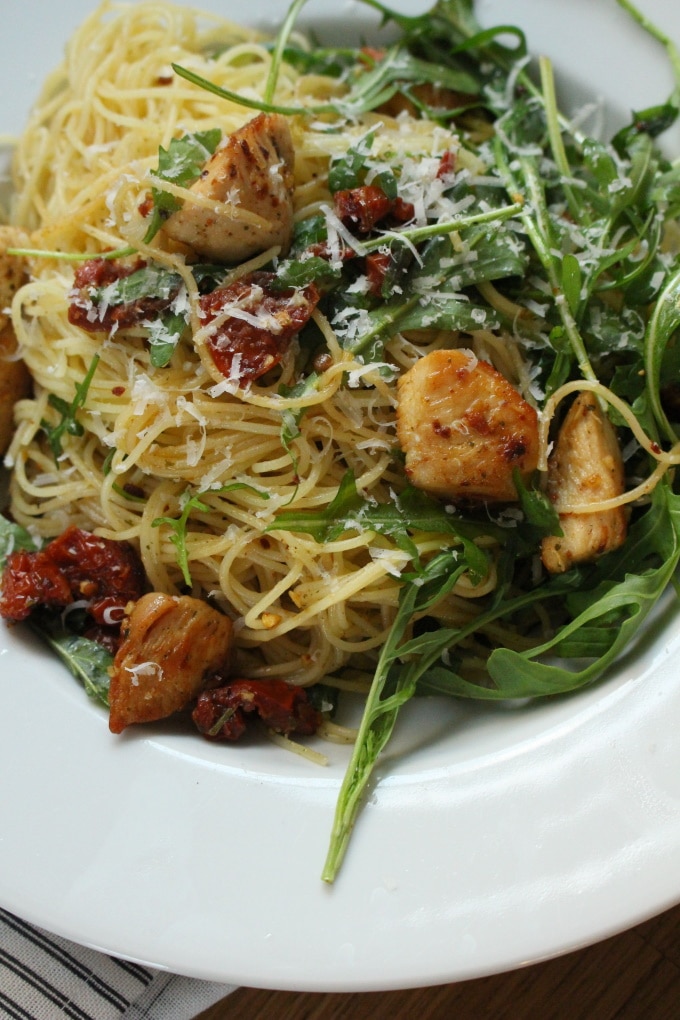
x=447 y=164
x=145 y=207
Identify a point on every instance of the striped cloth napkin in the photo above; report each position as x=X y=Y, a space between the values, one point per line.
x=44 y=976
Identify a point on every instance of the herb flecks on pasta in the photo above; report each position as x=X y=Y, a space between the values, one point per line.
x=368 y=354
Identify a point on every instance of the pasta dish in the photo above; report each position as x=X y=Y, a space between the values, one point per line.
x=348 y=371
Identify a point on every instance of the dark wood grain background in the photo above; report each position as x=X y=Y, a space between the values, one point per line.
x=632 y=976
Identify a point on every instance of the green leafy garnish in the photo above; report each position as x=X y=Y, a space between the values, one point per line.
x=14 y=537
x=164 y=335
x=87 y=660
x=369 y=87
x=539 y=512
x=389 y=691
x=181 y=164
x=349 y=170
x=303 y=271
x=412 y=511
x=544 y=249
x=149 y=281
x=291 y=418
x=190 y=502
x=68 y=422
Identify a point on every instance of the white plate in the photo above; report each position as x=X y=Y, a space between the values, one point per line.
x=492 y=838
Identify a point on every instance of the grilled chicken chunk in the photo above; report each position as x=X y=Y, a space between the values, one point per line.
x=585 y=467
x=13 y=269
x=253 y=174
x=15 y=381
x=171 y=647
x=464 y=428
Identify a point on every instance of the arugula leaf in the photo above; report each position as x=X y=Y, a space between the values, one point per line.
x=87 y=660
x=154 y=281
x=607 y=616
x=572 y=281
x=432 y=288
x=323 y=525
x=369 y=86
x=188 y=503
x=150 y=281
x=539 y=512
x=398 y=67
x=311 y=230
x=181 y=163
x=614 y=619
x=433 y=298
x=290 y=419
x=653 y=122
x=321 y=60
x=164 y=335
x=411 y=511
x=14 y=537
x=348 y=170
x=452 y=314
x=663 y=324
x=303 y=271
x=208 y=275
x=389 y=692
x=68 y=422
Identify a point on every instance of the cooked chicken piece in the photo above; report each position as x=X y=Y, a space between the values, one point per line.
x=13 y=269
x=171 y=647
x=585 y=467
x=253 y=173
x=15 y=381
x=464 y=428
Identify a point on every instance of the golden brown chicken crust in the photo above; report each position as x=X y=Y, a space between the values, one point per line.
x=15 y=381
x=253 y=170
x=171 y=647
x=464 y=428
x=585 y=467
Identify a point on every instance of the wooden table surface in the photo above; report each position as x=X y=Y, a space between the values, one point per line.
x=632 y=976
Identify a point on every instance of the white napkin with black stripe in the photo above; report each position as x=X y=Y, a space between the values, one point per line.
x=44 y=976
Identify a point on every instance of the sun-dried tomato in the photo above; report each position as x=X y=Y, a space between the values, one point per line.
x=402 y=211
x=259 y=323
x=361 y=209
x=221 y=713
x=89 y=310
x=373 y=54
x=77 y=566
x=28 y=581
